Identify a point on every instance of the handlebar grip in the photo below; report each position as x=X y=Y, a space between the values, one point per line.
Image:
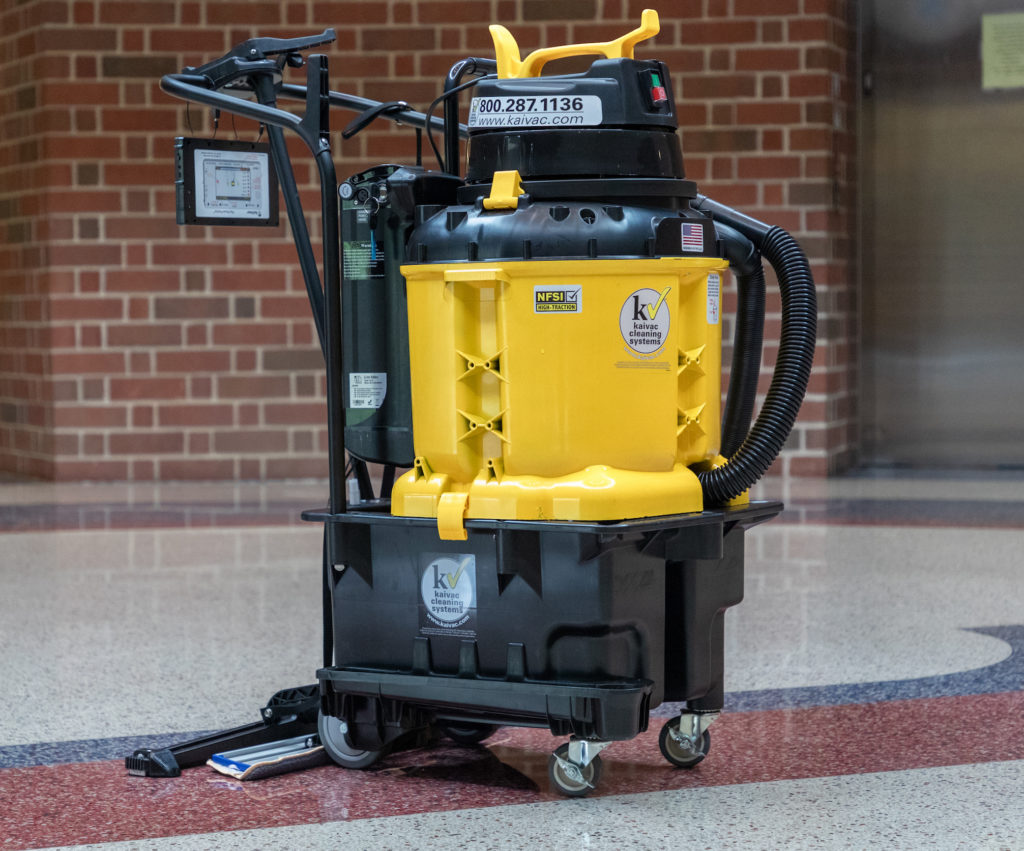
x=507 y=51
x=270 y=46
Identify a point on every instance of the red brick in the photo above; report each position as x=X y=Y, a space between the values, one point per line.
x=190 y=254
x=190 y=361
x=250 y=334
x=249 y=415
x=136 y=13
x=250 y=280
x=718 y=86
x=142 y=416
x=253 y=386
x=135 y=174
x=67 y=93
x=86 y=255
x=808 y=29
x=283 y=307
x=250 y=441
x=445 y=12
x=250 y=468
x=296 y=468
x=198 y=443
x=768 y=112
x=90 y=416
x=297 y=413
x=143 y=334
x=81 y=201
x=147 y=388
x=149 y=443
x=81 y=363
x=142 y=280
x=810 y=140
x=758 y=166
x=191 y=415
x=249 y=13
x=721 y=141
x=86 y=308
x=190 y=307
x=818 y=84
x=119 y=120
x=64 y=470
x=816 y=467
x=767 y=59
x=728 y=32
x=763 y=8
x=194 y=41
x=405 y=38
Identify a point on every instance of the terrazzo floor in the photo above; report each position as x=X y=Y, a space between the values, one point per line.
x=874 y=679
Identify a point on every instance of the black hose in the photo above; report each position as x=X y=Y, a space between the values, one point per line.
x=745 y=262
x=762 y=445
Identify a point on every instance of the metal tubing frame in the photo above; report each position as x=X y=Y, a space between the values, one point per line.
x=314 y=130
x=325 y=299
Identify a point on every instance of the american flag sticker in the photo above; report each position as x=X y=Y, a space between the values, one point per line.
x=693 y=237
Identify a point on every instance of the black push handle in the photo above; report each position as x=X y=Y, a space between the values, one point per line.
x=252 y=58
x=260 y=47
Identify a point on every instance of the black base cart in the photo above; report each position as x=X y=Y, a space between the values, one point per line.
x=582 y=628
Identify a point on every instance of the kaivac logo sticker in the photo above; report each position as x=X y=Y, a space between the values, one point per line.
x=448 y=592
x=644 y=320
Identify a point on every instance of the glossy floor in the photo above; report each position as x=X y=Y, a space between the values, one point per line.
x=875 y=684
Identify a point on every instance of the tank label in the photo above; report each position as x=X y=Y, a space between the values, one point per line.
x=714 y=297
x=367 y=389
x=644 y=321
x=448 y=595
x=558 y=299
x=536 y=111
x=361 y=257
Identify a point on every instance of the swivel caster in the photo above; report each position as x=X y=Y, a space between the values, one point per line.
x=575 y=767
x=685 y=741
x=332 y=735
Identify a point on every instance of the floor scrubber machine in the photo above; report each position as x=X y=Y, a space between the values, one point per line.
x=537 y=342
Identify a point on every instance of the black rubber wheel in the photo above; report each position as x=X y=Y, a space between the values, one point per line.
x=468 y=732
x=332 y=736
x=679 y=755
x=574 y=787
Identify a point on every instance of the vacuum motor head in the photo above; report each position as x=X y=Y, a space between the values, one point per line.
x=616 y=119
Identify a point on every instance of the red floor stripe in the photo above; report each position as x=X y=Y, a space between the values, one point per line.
x=98 y=802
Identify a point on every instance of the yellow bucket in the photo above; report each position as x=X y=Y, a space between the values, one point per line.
x=562 y=389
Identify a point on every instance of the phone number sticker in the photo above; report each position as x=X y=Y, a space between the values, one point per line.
x=536 y=111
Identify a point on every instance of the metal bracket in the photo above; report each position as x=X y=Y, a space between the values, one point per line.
x=697 y=724
x=583 y=751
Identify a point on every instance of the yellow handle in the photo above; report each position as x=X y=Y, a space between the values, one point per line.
x=506 y=51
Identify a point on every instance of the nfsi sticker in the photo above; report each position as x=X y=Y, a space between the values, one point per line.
x=558 y=299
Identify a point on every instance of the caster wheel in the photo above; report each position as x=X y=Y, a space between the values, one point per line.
x=677 y=748
x=467 y=732
x=570 y=779
x=332 y=735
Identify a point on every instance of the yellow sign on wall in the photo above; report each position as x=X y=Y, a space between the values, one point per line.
x=1002 y=51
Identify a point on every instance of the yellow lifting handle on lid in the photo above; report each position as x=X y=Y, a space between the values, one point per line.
x=506 y=51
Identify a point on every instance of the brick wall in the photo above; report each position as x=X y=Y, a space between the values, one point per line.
x=131 y=348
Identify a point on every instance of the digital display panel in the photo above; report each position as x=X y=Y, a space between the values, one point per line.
x=225 y=183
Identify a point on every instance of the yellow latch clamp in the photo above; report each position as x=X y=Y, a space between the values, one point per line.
x=506 y=51
x=451 y=511
x=506 y=187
